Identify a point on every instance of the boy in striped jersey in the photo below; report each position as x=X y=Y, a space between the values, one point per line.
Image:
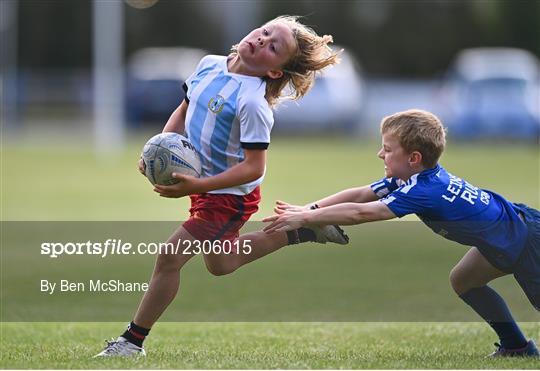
x=228 y=118
x=505 y=237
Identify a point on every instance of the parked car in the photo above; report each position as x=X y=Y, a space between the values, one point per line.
x=493 y=93
x=154 y=82
x=334 y=104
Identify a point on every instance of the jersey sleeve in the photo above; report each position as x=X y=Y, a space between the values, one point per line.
x=204 y=63
x=385 y=186
x=409 y=198
x=256 y=121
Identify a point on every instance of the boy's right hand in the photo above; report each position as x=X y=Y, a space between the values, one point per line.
x=282 y=207
x=141 y=166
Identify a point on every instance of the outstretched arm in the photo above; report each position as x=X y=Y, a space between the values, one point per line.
x=357 y=195
x=341 y=214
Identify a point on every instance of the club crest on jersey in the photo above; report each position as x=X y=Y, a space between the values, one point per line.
x=216 y=104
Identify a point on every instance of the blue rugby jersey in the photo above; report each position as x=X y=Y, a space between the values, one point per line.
x=459 y=211
x=227 y=113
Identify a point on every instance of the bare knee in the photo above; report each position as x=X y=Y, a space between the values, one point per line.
x=473 y=271
x=458 y=281
x=218 y=266
x=462 y=281
x=219 y=270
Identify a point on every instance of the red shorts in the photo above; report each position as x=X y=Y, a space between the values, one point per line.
x=220 y=216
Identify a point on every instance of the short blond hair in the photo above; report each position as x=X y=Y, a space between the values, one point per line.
x=417 y=130
x=312 y=55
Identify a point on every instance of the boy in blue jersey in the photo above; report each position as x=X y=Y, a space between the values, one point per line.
x=505 y=237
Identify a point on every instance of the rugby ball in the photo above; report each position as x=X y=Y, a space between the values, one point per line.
x=168 y=153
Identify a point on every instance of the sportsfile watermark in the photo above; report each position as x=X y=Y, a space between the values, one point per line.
x=99 y=271
x=113 y=246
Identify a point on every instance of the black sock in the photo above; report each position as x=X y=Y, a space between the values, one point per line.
x=300 y=235
x=293 y=238
x=492 y=308
x=135 y=334
x=306 y=234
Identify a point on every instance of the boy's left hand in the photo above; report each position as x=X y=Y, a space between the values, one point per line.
x=282 y=207
x=287 y=221
x=188 y=185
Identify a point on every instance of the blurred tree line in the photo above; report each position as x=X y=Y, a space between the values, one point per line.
x=397 y=38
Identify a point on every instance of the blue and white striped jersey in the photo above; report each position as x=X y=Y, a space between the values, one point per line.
x=227 y=113
x=459 y=211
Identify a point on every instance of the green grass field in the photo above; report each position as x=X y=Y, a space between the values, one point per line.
x=382 y=303
x=262 y=346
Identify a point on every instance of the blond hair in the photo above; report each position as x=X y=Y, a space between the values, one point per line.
x=417 y=130
x=312 y=55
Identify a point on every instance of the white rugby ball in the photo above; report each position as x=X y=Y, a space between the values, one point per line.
x=168 y=153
